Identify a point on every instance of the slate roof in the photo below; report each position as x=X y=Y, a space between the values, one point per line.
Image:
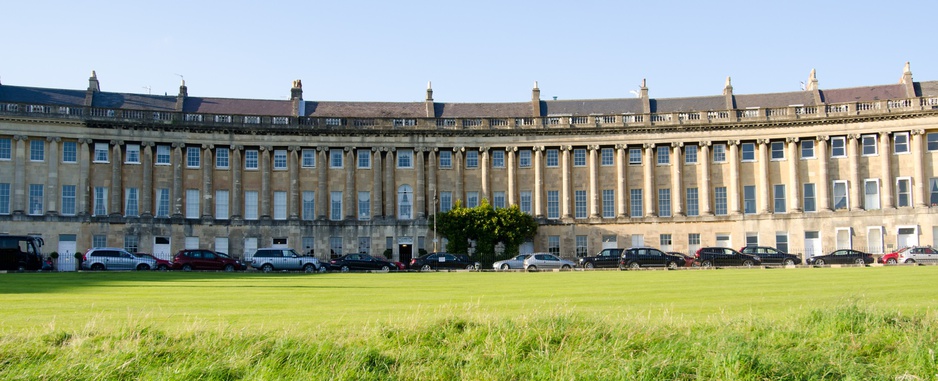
x=231 y=106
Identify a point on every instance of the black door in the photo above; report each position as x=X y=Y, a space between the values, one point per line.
x=406 y=253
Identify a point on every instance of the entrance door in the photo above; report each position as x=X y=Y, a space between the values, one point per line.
x=161 y=248
x=907 y=237
x=812 y=244
x=405 y=247
x=66 y=249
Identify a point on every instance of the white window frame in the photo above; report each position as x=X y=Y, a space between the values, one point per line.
x=719 y=153
x=552 y=158
x=664 y=202
x=900 y=148
x=132 y=155
x=102 y=153
x=805 y=197
x=280 y=160
x=524 y=201
x=690 y=158
x=874 y=246
x=579 y=157
x=309 y=158
x=192 y=203
x=335 y=206
x=472 y=199
x=472 y=159
x=37 y=150
x=579 y=204
x=222 y=161
x=838 y=150
x=498 y=199
x=524 y=158
x=779 y=198
x=100 y=201
x=867 y=204
x=636 y=203
x=864 y=139
x=803 y=148
x=250 y=205
x=193 y=157
x=405 y=159
x=446 y=160
x=635 y=156
x=553 y=205
x=364 y=206
x=846 y=194
x=498 y=159
x=363 y=159
x=607 y=157
x=838 y=244
x=280 y=205
x=336 y=158
x=609 y=203
x=163 y=155
x=908 y=192
x=69 y=199
x=221 y=204
x=69 y=152
x=693 y=203
x=747 y=149
x=251 y=159
x=779 y=153
x=405 y=202
x=162 y=203
x=308 y=202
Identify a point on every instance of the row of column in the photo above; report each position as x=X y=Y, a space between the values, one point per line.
x=384 y=190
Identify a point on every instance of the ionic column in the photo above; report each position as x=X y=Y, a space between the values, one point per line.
x=704 y=189
x=484 y=151
x=919 y=196
x=648 y=167
x=84 y=168
x=823 y=185
x=146 y=189
x=621 y=182
x=265 y=194
x=511 y=175
x=351 y=194
x=178 y=164
x=52 y=184
x=794 y=183
x=420 y=198
x=431 y=181
x=565 y=181
x=459 y=196
x=853 y=163
x=116 y=190
x=538 y=181
x=733 y=189
x=885 y=155
x=377 y=207
x=20 y=187
x=293 y=198
x=208 y=191
x=763 y=180
x=237 y=194
x=677 y=189
x=594 y=181
x=390 y=189
x=322 y=183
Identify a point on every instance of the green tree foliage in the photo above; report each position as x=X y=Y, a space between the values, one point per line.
x=486 y=226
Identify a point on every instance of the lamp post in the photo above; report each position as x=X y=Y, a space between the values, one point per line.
x=435 y=202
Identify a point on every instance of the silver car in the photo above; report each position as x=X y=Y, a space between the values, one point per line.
x=547 y=261
x=512 y=263
x=113 y=258
x=270 y=259
x=920 y=254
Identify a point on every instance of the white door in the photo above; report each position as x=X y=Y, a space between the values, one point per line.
x=250 y=246
x=192 y=242
x=723 y=240
x=161 y=248
x=610 y=242
x=221 y=245
x=66 y=250
x=812 y=244
x=906 y=237
x=638 y=240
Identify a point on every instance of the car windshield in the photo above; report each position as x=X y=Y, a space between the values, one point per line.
x=223 y=255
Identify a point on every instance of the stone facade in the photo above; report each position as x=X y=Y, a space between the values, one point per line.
x=809 y=170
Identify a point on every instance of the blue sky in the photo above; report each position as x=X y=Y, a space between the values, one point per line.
x=472 y=51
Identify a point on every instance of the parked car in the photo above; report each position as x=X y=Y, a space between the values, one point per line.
x=270 y=258
x=202 y=259
x=360 y=262
x=400 y=266
x=113 y=258
x=547 y=261
x=911 y=254
x=434 y=261
x=511 y=263
x=637 y=257
x=161 y=264
x=843 y=256
x=771 y=255
x=20 y=253
x=724 y=256
x=607 y=258
x=688 y=259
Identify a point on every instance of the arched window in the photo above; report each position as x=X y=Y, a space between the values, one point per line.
x=405 y=202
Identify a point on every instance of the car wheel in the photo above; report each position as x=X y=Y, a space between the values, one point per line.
x=143 y=267
x=672 y=265
x=267 y=267
x=565 y=268
x=860 y=261
x=186 y=267
x=819 y=262
x=20 y=268
x=706 y=264
x=910 y=260
x=589 y=265
x=635 y=266
x=344 y=269
x=162 y=268
x=323 y=269
x=425 y=268
x=532 y=268
x=788 y=262
x=470 y=267
x=891 y=261
x=747 y=263
x=309 y=267
x=229 y=268
x=505 y=267
x=97 y=267
x=385 y=269
x=623 y=267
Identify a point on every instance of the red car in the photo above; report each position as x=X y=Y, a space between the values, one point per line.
x=688 y=259
x=201 y=259
x=161 y=264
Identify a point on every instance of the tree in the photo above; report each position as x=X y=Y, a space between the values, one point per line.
x=487 y=227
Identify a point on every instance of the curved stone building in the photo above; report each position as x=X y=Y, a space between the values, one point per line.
x=807 y=171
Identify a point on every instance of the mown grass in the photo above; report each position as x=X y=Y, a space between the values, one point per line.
x=794 y=324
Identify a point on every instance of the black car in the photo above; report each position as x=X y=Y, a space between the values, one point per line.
x=360 y=262
x=20 y=253
x=723 y=256
x=771 y=255
x=435 y=261
x=607 y=258
x=843 y=257
x=636 y=257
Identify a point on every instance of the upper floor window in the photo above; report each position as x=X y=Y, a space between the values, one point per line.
x=778 y=150
x=221 y=158
x=37 y=150
x=405 y=158
x=838 y=147
x=748 y=152
x=100 y=153
x=133 y=154
x=550 y=157
x=250 y=159
x=932 y=141
x=606 y=157
x=498 y=159
x=472 y=159
x=807 y=149
x=524 y=158
x=869 y=145
x=335 y=158
x=446 y=159
x=193 y=157
x=162 y=155
x=69 y=151
x=309 y=158
x=364 y=158
x=690 y=154
x=901 y=142
x=579 y=157
x=6 y=149
x=635 y=156
x=280 y=159
x=664 y=155
x=719 y=153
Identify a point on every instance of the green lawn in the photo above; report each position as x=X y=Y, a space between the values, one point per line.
x=805 y=323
